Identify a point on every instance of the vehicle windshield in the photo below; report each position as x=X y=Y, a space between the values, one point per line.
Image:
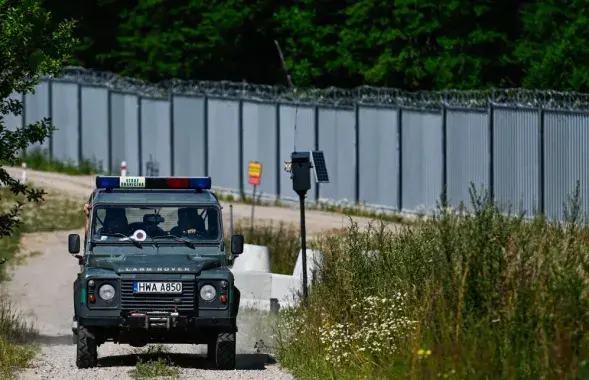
x=144 y=223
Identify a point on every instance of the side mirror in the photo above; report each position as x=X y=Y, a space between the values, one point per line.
x=73 y=243
x=237 y=244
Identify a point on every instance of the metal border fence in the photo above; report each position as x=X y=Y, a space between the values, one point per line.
x=384 y=148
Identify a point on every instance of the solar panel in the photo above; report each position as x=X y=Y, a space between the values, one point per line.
x=319 y=167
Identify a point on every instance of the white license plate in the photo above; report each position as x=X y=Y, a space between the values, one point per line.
x=157 y=287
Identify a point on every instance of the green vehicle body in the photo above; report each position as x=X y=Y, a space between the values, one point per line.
x=185 y=318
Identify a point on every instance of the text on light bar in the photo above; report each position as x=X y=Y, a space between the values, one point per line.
x=129 y=182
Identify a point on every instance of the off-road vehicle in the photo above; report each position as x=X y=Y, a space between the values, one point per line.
x=154 y=269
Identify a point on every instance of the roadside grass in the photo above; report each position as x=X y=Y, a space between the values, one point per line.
x=55 y=213
x=489 y=295
x=38 y=159
x=323 y=205
x=154 y=362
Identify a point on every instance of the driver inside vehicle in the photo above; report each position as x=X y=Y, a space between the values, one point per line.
x=115 y=221
x=189 y=223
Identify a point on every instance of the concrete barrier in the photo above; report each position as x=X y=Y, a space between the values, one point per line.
x=255 y=258
x=314 y=262
x=257 y=288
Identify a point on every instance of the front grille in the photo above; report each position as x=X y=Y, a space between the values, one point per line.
x=156 y=302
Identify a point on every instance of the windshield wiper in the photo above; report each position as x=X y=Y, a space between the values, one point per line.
x=186 y=241
x=137 y=244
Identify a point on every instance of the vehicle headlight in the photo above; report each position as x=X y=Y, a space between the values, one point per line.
x=106 y=292
x=208 y=292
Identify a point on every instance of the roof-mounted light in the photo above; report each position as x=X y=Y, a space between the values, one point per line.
x=127 y=182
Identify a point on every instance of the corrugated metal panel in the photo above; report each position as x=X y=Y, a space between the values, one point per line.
x=189 y=136
x=155 y=135
x=125 y=133
x=65 y=120
x=467 y=147
x=422 y=160
x=224 y=143
x=95 y=126
x=260 y=144
x=337 y=140
x=305 y=141
x=12 y=121
x=566 y=155
x=36 y=109
x=515 y=151
x=379 y=156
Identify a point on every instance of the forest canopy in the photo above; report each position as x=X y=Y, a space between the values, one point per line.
x=408 y=44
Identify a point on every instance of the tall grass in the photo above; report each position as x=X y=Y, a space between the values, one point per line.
x=489 y=295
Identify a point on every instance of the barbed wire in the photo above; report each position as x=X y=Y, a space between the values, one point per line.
x=333 y=96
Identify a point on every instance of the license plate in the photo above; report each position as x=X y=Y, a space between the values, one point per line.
x=157 y=287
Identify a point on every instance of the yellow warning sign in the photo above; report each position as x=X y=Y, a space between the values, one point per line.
x=254 y=172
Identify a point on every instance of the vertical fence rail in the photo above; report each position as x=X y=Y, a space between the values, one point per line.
x=491 y=154
x=445 y=150
x=541 y=160
x=50 y=113
x=400 y=158
x=111 y=165
x=139 y=134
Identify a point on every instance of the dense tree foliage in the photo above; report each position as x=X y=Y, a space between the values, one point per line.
x=426 y=44
x=30 y=46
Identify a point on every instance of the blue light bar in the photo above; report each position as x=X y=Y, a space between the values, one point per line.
x=107 y=182
x=129 y=182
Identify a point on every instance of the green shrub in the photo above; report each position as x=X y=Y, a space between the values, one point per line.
x=490 y=295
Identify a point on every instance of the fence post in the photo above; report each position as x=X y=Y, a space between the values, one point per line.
x=491 y=151
x=206 y=133
x=109 y=130
x=240 y=146
x=80 y=127
x=445 y=153
x=316 y=131
x=278 y=151
x=50 y=114
x=400 y=158
x=357 y=151
x=171 y=109
x=541 y=162
x=23 y=119
x=140 y=134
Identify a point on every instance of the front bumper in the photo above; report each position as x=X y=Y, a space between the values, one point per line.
x=159 y=321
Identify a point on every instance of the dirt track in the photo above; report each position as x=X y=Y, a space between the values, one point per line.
x=317 y=221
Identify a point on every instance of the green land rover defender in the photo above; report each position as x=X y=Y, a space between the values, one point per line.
x=154 y=269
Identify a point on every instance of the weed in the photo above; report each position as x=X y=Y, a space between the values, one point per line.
x=157 y=364
x=483 y=295
x=160 y=368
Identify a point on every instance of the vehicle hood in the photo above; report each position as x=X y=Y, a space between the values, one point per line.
x=134 y=263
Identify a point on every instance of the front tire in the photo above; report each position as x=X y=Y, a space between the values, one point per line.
x=87 y=351
x=224 y=351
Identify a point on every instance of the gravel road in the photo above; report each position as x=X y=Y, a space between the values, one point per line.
x=42 y=287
